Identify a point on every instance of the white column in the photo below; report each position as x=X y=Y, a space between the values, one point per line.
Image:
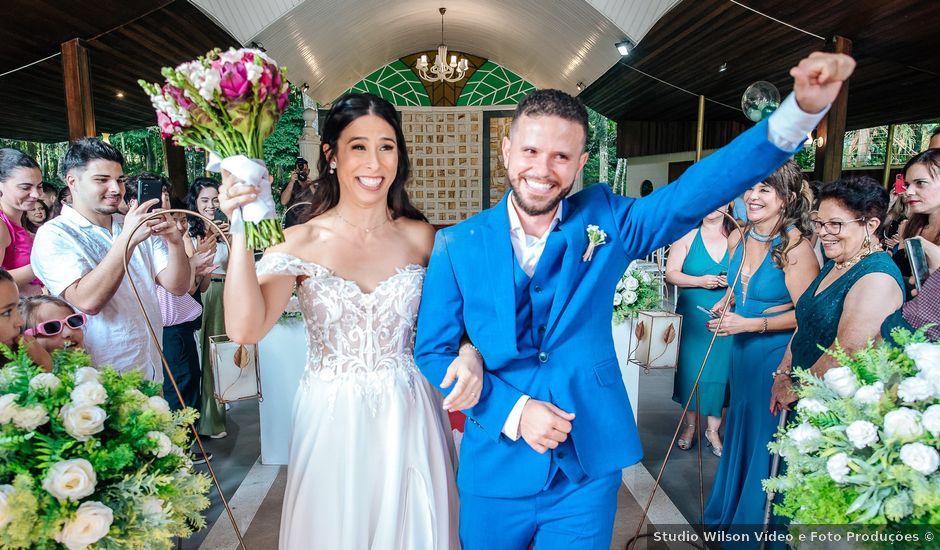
x=309 y=142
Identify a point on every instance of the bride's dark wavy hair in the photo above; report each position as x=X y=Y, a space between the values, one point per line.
x=787 y=181
x=324 y=193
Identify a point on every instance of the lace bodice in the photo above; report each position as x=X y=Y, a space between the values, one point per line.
x=348 y=330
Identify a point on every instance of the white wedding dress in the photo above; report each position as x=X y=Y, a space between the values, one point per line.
x=371 y=452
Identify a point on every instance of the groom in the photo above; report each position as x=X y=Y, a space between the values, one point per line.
x=543 y=448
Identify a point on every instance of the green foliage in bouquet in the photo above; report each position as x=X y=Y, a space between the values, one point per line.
x=92 y=458
x=637 y=291
x=863 y=448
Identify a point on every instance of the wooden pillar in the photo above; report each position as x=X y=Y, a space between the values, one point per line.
x=832 y=127
x=700 y=128
x=889 y=158
x=176 y=168
x=77 y=78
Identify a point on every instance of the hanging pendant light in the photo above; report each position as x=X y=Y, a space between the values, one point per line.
x=443 y=69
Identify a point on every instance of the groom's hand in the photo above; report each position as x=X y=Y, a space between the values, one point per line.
x=818 y=78
x=543 y=425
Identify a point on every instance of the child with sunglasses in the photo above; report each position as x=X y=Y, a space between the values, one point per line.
x=53 y=322
x=11 y=323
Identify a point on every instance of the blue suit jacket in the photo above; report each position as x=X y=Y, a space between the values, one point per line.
x=469 y=288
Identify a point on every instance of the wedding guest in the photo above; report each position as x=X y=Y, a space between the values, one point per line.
x=203 y=197
x=79 y=255
x=779 y=266
x=698 y=265
x=837 y=308
x=38 y=215
x=63 y=198
x=922 y=178
x=934 y=139
x=20 y=192
x=924 y=308
x=897 y=215
x=49 y=194
x=11 y=323
x=53 y=322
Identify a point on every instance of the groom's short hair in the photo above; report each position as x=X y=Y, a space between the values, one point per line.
x=550 y=102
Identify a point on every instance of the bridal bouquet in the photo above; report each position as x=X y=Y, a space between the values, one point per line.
x=863 y=448
x=636 y=291
x=227 y=103
x=92 y=458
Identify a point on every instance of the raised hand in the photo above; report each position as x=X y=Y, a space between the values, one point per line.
x=543 y=425
x=234 y=193
x=136 y=212
x=818 y=79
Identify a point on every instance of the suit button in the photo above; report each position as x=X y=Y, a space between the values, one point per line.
x=543 y=357
x=561 y=455
x=538 y=288
x=541 y=328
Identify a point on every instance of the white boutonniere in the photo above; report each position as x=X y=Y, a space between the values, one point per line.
x=596 y=237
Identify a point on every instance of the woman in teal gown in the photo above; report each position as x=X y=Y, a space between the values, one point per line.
x=693 y=267
x=780 y=264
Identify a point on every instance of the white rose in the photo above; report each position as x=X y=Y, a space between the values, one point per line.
x=86 y=374
x=620 y=285
x=631 y=283
x=89 y=393
x=82 y=421
x=152 y=506
x=70 y=479
x=45 y=381
x=862 y=433
x=915 y=389
x=30 y=418
x=903 y=423
x=812 y=406
x=164 y=445
x=7 y=407
x=6 y=515
x=91 y=523
x=924 y=355
x=617 y=299
x=920 y=457
x=838 y=467
x=158 y=404
x=841 y=380
x=869 y=395
x=645 y=277
x=931 y=374
x=931 y=420
x=806 y=437
x=629 y=297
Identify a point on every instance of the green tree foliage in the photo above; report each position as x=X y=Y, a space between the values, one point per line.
x=600 y=131
x=280 y=149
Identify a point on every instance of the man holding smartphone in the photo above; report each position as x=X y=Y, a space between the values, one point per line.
x=296 y=189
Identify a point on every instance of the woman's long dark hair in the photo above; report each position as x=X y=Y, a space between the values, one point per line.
x=324 y=193
x=197 y=228
x=931 y=160
x=787 y=181
x=10 y=160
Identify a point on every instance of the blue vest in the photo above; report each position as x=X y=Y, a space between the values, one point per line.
x=534 y=298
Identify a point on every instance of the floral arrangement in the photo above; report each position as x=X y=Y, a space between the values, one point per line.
x=92 y=458
x=636 y=291
x=863 y=448
x=227 y=103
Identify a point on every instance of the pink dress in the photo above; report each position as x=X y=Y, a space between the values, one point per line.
x=18 y=251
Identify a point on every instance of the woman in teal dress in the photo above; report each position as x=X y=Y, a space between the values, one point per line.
x=838 y=305
x=780 y=264
x=692 y=266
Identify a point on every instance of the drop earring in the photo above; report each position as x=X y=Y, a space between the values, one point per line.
x=332 y=166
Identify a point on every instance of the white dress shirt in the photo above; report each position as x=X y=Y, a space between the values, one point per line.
x=787 y=129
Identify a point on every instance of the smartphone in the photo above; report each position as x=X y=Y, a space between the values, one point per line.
x=707 y=312
x=899 y=186
x=219 y=216
x=149 y=189
x=915 y=254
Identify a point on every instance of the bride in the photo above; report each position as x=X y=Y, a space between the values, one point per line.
x=371 y=454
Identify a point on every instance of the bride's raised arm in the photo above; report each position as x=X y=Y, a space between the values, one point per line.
x=252 y=304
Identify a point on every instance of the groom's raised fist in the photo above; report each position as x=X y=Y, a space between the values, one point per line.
x=543 y=425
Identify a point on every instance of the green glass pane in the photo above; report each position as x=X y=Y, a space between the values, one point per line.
x=492 y=84
x=395 y=82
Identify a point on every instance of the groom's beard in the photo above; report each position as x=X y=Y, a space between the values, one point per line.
x=536 y=208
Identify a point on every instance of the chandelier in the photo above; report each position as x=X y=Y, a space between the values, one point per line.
x=441 y=69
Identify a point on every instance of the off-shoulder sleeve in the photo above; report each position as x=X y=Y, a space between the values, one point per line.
x=276 y=263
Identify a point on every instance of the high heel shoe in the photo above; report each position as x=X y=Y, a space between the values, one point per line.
x=716 y=449
x=686 y=444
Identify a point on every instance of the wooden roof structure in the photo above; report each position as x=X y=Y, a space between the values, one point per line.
x=897 y=78
x=125 y=41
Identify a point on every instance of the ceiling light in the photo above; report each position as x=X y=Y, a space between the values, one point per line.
x=580 y=86
x=723 y=68
x=452 y=71
x=119 y=95
x=625 y=46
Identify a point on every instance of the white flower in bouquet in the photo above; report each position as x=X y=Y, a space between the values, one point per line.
x=86 y=374
x=45 y=381
x=152 y=506
x=82 y=421
x=164 y=445
x=903 y=423
x=630 y=283
x=811 y=406
x=89 y=393
x=6 y=514
x=30 y=418
x=838 y=467
x=158 y=404
x=7 y=408
x=870 y=394
x=842 y=381
x=618 y=299
x=862 y=433
x=915 y=389
x=645 y=277
x=931 y=374
x=925 y=355
x=931 y=420
x=70 y=479
x=629 y=297
x=620 y=285
x=806 y=437
x=920 y=457
x=91 y=523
